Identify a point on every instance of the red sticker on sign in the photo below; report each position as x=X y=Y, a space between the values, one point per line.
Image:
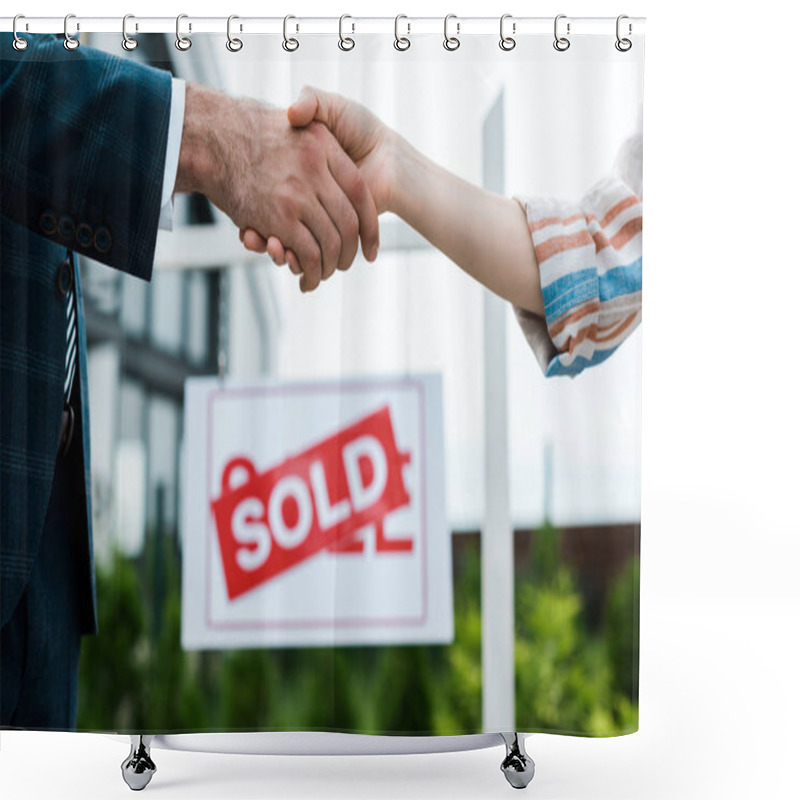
x=316 y=500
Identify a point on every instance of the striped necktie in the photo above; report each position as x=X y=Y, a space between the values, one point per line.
x=72 y=342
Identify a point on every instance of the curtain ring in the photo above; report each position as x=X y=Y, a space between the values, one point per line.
x=623 y=45
x=290 y=44
x=128 y=42
x=233 y=44
x=561 y=43
x=401 y=42
x=70 y=42
x=451 y=42
x=182 y=42
x=507 y=42
x=346 y=42
x=19 y=43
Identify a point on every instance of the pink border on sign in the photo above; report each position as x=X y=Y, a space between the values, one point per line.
x=306 y=388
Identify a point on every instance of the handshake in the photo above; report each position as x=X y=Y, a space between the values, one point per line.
x=301 y=185
x=304 y=184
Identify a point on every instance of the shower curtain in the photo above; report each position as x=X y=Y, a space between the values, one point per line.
x=248 y=486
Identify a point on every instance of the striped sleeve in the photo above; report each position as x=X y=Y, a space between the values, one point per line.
x=590 y=263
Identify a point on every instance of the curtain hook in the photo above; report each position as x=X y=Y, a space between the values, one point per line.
x=561 y=43
x=290 y=44
x=19 y=43
x=70 y=42
x=233 y=44
x=507 y=42
x=451 y=42
x=128 y=42
x=623 y=45
x=346 y=42
x=401 y=42
x=182 y=42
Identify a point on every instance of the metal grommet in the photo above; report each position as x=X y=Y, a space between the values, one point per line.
x=289 y=44
x=182 y=42
x=233 y=44
x=561 y=43
x=401 y=42
x=623 y=45
x=70 y=42
x=19 y=43
x=346 y=42
x=128 y=42
x=451 y=42
x=506 y=42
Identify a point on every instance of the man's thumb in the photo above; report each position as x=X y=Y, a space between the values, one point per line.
x=304 y=110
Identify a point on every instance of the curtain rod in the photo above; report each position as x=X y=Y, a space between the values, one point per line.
x=462 y=26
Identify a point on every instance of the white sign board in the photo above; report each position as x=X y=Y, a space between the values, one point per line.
x=313 y=514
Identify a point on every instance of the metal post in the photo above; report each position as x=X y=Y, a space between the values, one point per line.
x=497 y=539
x=158 y=559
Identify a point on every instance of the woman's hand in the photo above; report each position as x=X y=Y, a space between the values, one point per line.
x=368 y=142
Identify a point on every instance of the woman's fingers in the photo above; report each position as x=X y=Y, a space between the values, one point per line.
x=273 y=246
x=253 y=241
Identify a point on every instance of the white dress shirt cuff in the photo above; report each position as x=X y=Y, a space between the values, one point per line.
x=176 y=110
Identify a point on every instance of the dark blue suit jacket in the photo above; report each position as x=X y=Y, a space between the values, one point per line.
x=83 y=138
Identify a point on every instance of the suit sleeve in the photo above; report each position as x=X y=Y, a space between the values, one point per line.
x=590 y=263
x=83 y=138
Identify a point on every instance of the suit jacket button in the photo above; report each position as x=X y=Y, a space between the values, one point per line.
x=102 y=240
x=47 y=223
x=66 y=228
x=64 y=277
x=83 y=233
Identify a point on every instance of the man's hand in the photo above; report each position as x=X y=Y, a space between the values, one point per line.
x=365 y=139
x=296 y=184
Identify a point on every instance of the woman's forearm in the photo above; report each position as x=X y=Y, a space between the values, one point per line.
x=484 y=233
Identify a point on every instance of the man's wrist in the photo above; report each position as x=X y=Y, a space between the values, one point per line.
x=195 y=162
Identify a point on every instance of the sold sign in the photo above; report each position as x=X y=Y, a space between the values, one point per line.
x=318 y=499
x=313 y=513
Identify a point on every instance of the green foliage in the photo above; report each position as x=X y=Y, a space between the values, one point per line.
x=563 y=676
x=459 y=679
x=134 y=675
x=568 y=679
x=404 y=689
x=245 y=685
x=113 y=663
x=622 y=631
x=544 y=562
